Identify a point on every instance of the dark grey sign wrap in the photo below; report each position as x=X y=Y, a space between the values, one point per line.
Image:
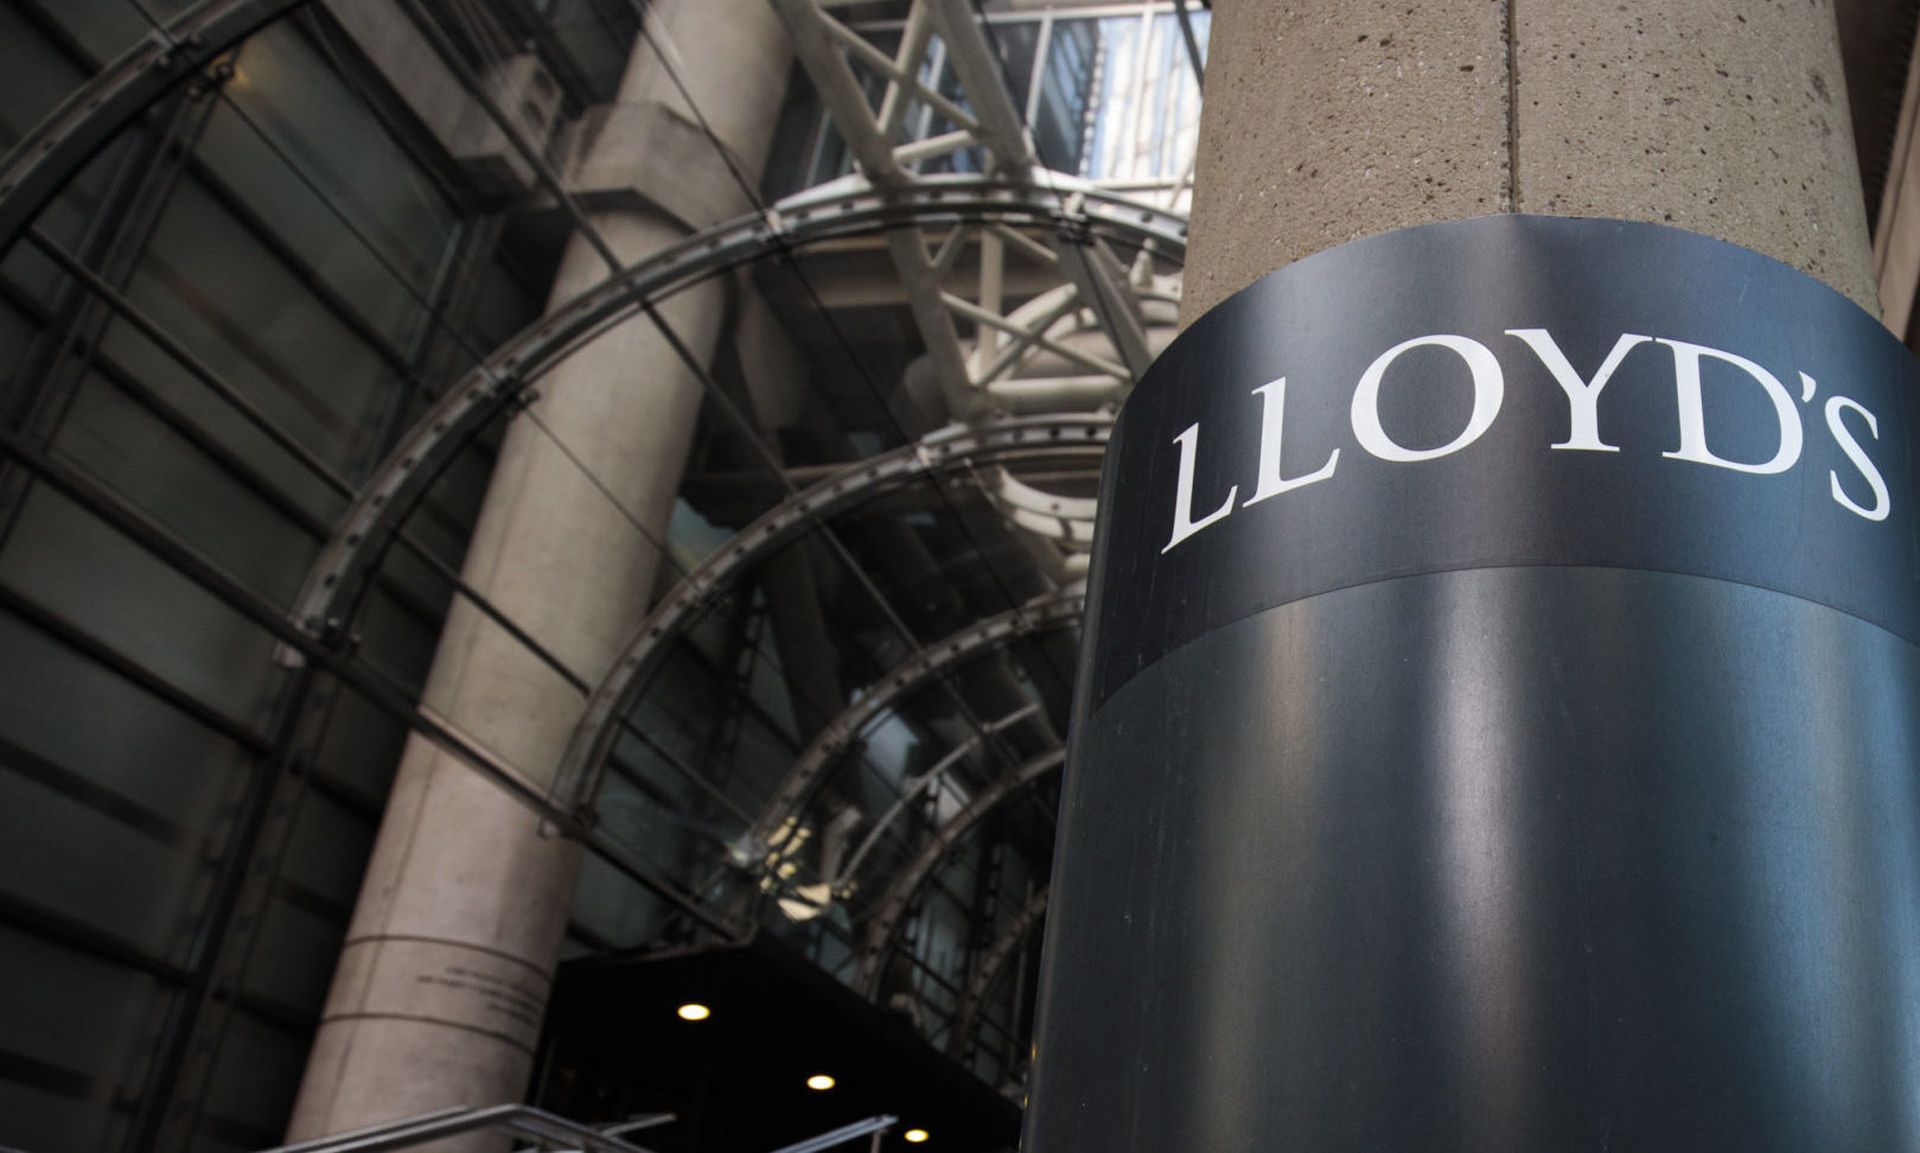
x=1499 y=715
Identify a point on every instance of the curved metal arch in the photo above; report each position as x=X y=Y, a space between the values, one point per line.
x=950 y=448
x=841 y=883
x=994 y=960
x=1042 y=614
x=892 y=906
x=848 y=207
x=53 y=153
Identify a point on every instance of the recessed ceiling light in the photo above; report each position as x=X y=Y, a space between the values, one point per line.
x=916 y=1135
x=694 y=1011
x=820 y=1081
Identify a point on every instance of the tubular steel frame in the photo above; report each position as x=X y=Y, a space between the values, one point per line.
x=848 y=208
x=992 y=961
x=1082 y=224
x=892 y=906
x=952 y=448
x=1053 y=611
x=50 y=155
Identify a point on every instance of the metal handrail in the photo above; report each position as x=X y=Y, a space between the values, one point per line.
x=547 y=1131
x=874 y=1125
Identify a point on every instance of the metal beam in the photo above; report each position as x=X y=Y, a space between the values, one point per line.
x=542 y=1129
x=1103 y=284
x=984 y=79
x=847 y=208
x=892 y=907
x=991 y=963
x=925 y=783
x=50 y=155
x=950 y=448
x=1043 y=614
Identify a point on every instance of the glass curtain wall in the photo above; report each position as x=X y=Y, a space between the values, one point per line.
x=271 y=253
x=222 y=327
x=1109 y=93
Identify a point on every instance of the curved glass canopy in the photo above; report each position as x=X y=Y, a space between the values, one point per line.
x=268 y=304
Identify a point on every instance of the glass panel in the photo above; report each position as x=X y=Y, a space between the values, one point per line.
x=328 y=850
x=1147 y=117
x=74 y=1047
x=293 y=956
x=61 y=706
x=615 y=909
x=34 y=77
x=156 y=468
x=598 y=37
x=249 y=317
x=250 y=1093
x=75 y=566
x=1062 y=117
x=361 y=747
x=316 y=130
x=108 y=28
x=144 y=885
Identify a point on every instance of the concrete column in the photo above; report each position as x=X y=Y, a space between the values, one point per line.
x=1498 y=855
x=444 y=976
x=1326 y=121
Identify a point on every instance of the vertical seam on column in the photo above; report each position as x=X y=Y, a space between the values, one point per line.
x=1513 y=112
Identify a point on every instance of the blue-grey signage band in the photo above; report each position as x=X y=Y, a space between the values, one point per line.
x=1498 y=727
x=1512 y=390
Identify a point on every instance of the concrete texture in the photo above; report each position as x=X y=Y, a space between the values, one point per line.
x=1727 y=117
x=1328 y=120
x=444 y=976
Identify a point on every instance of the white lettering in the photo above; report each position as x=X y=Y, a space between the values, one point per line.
x=1273 y=403
x=1184 y=525
x=1693 y=424
x=1583 y=396
x=1489 y=388
x=1852 y=448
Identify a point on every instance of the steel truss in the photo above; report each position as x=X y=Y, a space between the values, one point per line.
x=1081 y=233
x=772 y=836
x=894 y=903
x=53 y=153
x=992 y=962
x=1102 y=294
x=949 y=449
x=845 y=209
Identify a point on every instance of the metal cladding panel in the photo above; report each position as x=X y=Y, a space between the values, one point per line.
x=1509 y=796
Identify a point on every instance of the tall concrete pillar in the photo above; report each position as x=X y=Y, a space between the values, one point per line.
x=1325 y=122
x=445 y=973
x=1523 y=850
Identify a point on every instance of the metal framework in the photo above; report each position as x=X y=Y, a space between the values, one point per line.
x=50 y=155
x=992 y=962
x=543 y=1131
x=848 y=208
x=539 y=1128
x=948 y=449
x=1012 y=366
x=1102 y=294
x=772 y=835
x=893 y=904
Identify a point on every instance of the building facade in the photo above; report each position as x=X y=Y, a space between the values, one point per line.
x=506 y=500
